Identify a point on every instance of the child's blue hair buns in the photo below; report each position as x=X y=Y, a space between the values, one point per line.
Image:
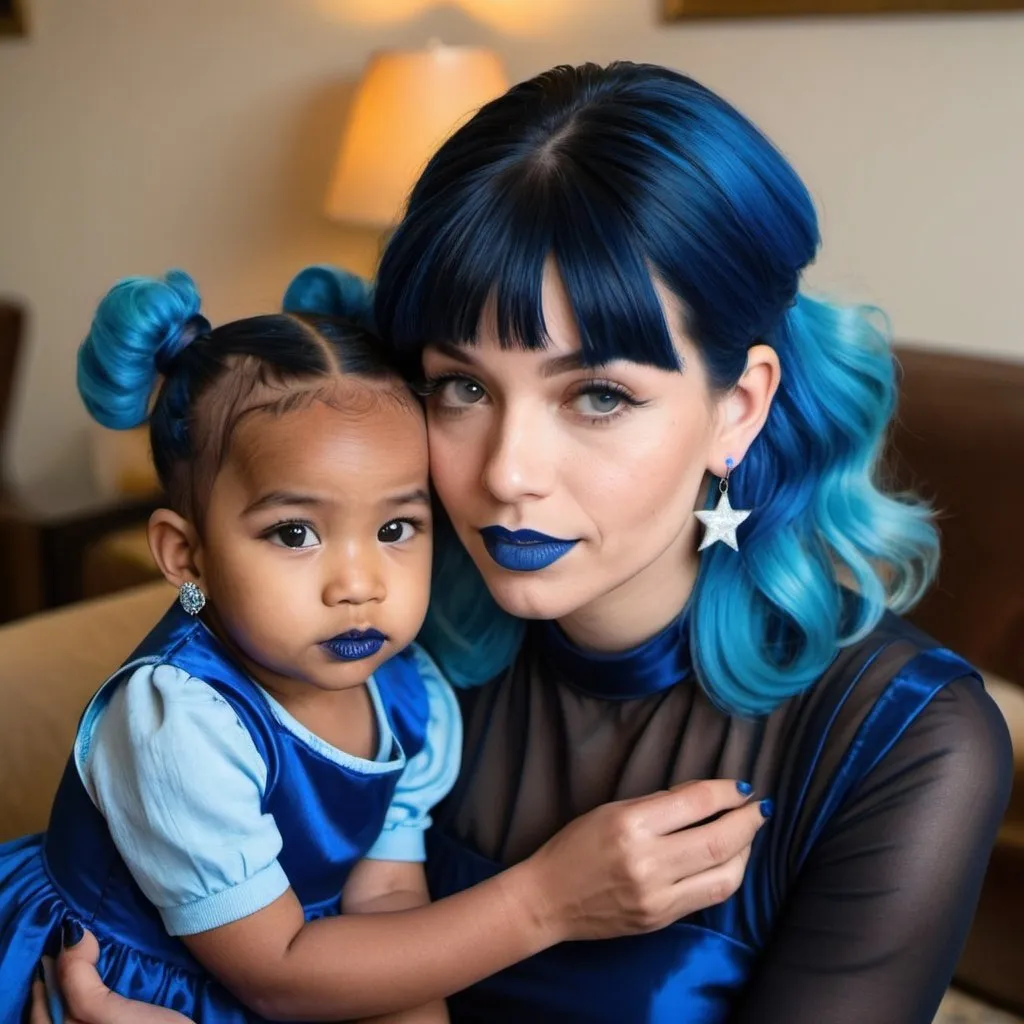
x=331 y=291
x=140 y=327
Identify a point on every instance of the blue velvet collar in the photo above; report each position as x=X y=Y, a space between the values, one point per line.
x=654 y=665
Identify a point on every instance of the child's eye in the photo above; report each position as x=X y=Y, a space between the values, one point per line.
x=397 y=531
x=293 y=535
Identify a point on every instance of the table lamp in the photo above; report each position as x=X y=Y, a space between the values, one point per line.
x=406 y=104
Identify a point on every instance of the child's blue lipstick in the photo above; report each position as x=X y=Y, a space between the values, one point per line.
x=524 y=550
x=356 y=644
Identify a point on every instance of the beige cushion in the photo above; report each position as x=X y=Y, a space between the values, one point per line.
x=50 y=665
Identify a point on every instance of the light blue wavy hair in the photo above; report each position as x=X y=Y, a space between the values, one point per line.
x=627 y=173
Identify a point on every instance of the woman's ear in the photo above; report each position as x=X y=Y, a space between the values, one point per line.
x=174 y=545
x=742 y=412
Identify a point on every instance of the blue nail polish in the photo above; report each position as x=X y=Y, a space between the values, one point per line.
x=71 y=933
x=745 y=788
x=767 y=808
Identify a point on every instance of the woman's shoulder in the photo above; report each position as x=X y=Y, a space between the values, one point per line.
x=896 y=713
x=894 y=681
x=894 y=657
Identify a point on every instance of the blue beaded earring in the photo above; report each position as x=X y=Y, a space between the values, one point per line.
x=191 y=598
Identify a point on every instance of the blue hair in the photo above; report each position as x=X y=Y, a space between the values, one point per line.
x=627 y=174
x=135 y=332
x=149 y=330
x=328 y=290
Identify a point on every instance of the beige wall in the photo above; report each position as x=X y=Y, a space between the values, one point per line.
x=139 y=134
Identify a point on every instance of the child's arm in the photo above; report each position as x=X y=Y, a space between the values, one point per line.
x=357 y=965
x=379 y=886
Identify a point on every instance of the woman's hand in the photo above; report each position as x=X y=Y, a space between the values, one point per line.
x=88 y=1000
x=638 y=865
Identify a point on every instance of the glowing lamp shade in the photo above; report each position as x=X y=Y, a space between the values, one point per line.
x=407 y=103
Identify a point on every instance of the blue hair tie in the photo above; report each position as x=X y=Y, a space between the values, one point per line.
x=176 y=342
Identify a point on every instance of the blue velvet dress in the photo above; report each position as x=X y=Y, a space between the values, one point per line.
x=328 y=817
x=889 y=778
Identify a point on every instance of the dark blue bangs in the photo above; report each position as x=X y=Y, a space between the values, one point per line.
x=623 y=176
x=491 y=234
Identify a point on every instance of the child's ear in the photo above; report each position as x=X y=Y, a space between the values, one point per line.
x=174 y=545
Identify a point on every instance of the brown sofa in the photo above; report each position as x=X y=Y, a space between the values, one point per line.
x=959 y=440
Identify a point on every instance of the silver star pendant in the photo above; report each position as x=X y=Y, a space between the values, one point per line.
x=721 y=523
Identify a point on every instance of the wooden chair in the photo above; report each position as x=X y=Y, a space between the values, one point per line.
x=12 y=333
x=18 y=544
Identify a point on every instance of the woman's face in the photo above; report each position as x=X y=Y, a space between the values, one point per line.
x=607 y=463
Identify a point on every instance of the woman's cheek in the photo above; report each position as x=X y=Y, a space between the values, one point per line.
x=450 y=467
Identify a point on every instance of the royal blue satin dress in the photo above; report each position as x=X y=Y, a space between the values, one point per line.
x=328 y=818
x=895 y=750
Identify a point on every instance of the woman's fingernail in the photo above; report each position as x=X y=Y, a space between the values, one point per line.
x=71 y=933
x=745 y=788
x=767 y=808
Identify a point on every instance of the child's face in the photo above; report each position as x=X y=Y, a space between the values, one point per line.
x=318 y=526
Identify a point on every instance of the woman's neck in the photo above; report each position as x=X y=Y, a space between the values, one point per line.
x=641 y=606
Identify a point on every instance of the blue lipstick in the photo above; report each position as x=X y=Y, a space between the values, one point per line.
x=524 y=550
x=356 y=644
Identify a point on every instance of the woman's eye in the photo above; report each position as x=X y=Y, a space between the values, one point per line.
x=396 y=531
x=598 y=403
x=294 y=535
x=461 y=391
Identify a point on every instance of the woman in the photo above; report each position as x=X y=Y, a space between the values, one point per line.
x=597 y=285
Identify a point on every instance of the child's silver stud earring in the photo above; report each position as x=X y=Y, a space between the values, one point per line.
x=191 y=598
x=721 y=523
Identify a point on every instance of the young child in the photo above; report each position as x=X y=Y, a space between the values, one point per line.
x=267 y=757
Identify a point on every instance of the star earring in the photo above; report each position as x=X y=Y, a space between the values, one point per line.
x=720 y=524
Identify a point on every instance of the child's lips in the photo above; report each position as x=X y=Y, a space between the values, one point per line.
x=355 y=644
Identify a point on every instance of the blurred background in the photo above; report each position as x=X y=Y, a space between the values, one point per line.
x=138 y=136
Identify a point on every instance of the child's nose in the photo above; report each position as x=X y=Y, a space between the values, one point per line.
x=355 y=577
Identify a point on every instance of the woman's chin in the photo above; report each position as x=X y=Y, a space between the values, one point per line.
x=534 y=595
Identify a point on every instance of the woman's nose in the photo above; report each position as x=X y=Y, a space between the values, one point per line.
x=519 y=464
x=355 y=575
